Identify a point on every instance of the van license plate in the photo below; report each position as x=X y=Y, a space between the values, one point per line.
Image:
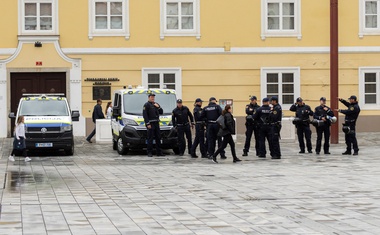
x=44 y=145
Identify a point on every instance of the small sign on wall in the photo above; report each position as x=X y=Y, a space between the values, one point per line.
x=101 y=92
x=224 y=102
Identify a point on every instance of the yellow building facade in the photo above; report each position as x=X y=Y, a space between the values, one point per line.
x=202 y=48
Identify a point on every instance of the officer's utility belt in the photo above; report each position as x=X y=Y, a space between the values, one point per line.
x=185 y=124
x=199 y=122
x=211 y=121
x=155 y=120
x=349 y=121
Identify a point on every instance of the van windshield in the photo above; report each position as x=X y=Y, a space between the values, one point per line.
x=43 y=108
x=133 y=103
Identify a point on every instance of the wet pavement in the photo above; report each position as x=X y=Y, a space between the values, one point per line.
x=96 y=191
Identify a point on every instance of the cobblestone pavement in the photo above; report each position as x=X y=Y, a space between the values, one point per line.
x=96 y=191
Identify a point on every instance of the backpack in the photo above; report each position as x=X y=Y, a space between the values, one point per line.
x=221 y=122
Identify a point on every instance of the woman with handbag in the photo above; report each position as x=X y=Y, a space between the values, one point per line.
x=227 y=132
x=19 y=140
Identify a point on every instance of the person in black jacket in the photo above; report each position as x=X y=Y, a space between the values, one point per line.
x=227 y=134
x=251 y=127
x=151 y=114
x=323 y=113
x=182 y=119
x=96 y=114
x=349 y=125
x=199 y=130
x=302 y=122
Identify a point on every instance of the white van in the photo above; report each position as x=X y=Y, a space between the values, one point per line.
x=128 y=127
x=48 y=122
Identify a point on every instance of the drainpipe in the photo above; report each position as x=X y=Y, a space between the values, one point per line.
x=334 y=68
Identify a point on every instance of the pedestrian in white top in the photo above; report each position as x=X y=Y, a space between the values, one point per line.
x=19 y=140
x=109 y=110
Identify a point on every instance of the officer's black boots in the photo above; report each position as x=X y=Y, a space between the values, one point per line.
x=355 y=153
x=245 y=153
x=346 y=153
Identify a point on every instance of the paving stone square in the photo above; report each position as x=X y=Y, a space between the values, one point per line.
x=97 y=191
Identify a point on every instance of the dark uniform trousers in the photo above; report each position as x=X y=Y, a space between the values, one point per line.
x=264 y=133
x=251 y=129
x=199 y=139
x=275 y=135
x=182 y=130
x=154 y=133
x=304 y=129
x=350 y=138
x=212 y=136
x=323 y=131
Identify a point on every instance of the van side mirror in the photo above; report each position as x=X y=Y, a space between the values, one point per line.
x=75 y=116
x=12 y=115
x=116 y=112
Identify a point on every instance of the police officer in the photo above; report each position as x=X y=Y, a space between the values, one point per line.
x=199 y=130
x=210 y=114
x=261 y=116
x=302 y=122
x=181 y=116
x=275 y=118
x=349 y=125
x=323 y=113
x=251 y=127
x=151 y=114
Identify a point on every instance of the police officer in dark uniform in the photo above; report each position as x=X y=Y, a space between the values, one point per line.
x=261 y=116
x=349 y=125
x=251 y=127
x=199 y=130
x=181 y=116
x=302 y=123
x=151 y=114
x=275 y=118
x=323 y=113
x=210 y=113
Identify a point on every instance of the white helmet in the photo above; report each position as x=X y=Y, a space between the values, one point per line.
x=333 y=119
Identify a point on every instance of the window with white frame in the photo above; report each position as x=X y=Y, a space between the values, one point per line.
x=38 y=17
x=369 y=87
x=369 y=13
x=109 y=18
x=281 y=82
x=281 y=18
x=180 y=18
x=169 y=78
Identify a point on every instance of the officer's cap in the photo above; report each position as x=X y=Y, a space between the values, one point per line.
x=265 y=100
x=299 y=99
x=274 y=98
x=253 y=98
x=198 y=100
x=212 y=98
x=323 y=98
x=179 y=101
x=353 y=97
x=151 y=94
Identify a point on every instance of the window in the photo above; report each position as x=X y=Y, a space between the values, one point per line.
x=281 y=82
x=180 y=18
x=281 y=18
x=109 y=18
x=369 y=87
x=369 y=17
x=163 y=78
x=38 y=17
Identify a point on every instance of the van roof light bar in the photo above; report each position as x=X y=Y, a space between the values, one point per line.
x=45 y=95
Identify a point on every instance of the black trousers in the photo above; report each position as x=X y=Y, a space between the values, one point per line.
x=154 y=134
x=323 y=131
x=212 y=136
x=264 y=134
x=303 y=130
x=351 y=141
x=227 y=139
x=251 y=129
x=275 y=135
x=182 y=131
x=199 y=140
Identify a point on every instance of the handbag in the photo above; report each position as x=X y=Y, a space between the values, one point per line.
x=221 y=122
x=19 y=144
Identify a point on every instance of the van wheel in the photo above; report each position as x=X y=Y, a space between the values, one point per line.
x=121 y=149
x=114 y=145
x=176 y=151
x=70 y=151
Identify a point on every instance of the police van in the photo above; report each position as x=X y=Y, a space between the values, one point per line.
x=48 y=122
x=127 y=123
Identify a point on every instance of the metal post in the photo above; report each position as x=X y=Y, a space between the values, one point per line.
x=334 y=67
